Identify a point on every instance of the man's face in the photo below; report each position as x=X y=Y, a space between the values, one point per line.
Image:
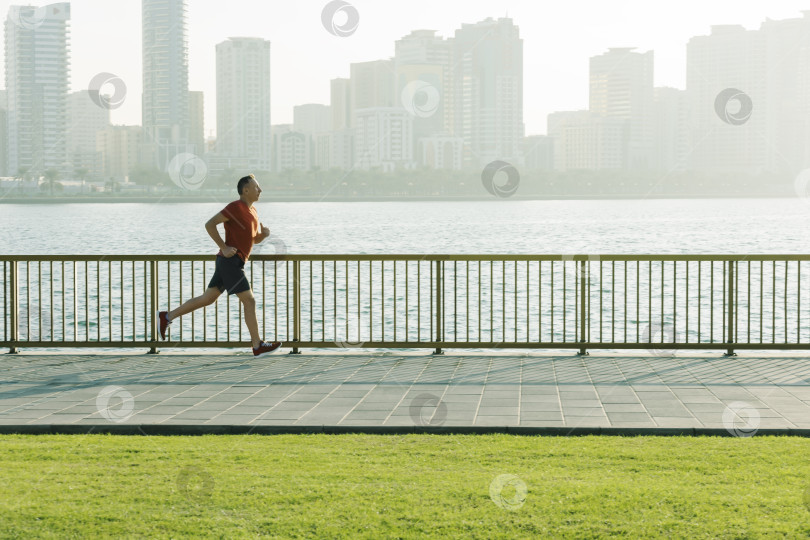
x=252 y=190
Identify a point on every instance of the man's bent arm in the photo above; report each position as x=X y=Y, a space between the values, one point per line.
x=211 y=227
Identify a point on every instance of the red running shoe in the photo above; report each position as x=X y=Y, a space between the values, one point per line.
x=265 y=348
x=163 y=317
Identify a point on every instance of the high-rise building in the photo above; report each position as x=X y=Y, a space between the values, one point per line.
x=292 y=150
x=196 y=121
x=730 y=58
x=37 y=77
x=671 y=130
x=488 y=81
x=312 y=118
x=383 y=138
x=334 y=149
x=621 y=88
x=585 y=141
x=424 y=81
x=243 y=102
x=120 y=148
x=440 y=152
x=372 y=85
x=85 y=120
x=165 y=79
x=340 y=104
x=787 y=83
x=538 y=153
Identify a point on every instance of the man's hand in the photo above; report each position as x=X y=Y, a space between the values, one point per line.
x=265 y=231
x=228 y=252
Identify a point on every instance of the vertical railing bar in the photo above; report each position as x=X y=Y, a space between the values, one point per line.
x=798 y=301
x=39 y=301
x=153 y=292
x=515 y=280
x=275 y=304
x=296 y=303
x=773 y=302
x=53 y=308
x=370 y=300
x=663 y=264
x=748 y=303
x=503 y=300
x=687 y=302
x=359 y=323
x=109 y=298
x=134 y=318
x=28 y=300
x=736 y=301
x=14 y=307
x=638 y=302
x=564 y=307
x=674 y=302
x=761 y=297
x=480 y=301
x=625 y=300
x=323 y=300
x=419 y=300
x=551 y=291
x=528 y=296
x=334 y=299
x=649 y=304
x=612 y=301
x=700 y=298
x=785 y=316
x=395 y=299
x=407 y=303
x=492 y=300
x=467 y=314
x=382 y=299
x=539 y=301
x=711 y=304
x=601 y=323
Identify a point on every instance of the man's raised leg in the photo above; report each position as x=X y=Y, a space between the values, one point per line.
x=205 y=299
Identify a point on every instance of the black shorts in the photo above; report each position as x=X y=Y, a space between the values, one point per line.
x=230 y=275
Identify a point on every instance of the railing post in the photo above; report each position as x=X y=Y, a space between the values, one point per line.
x=582 y=308
x=296 y=305
x=153 y=306
x=14 y=308
x=439 y=300
x=731 y=310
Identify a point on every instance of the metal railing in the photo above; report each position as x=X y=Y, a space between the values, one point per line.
x=654 y=302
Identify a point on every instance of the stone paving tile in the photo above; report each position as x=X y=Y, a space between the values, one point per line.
x=556 y=390
x=496 y=421
x=539 y=406
x=628 y=417
x=623 y=407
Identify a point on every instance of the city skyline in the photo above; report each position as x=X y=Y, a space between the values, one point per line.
x=564 y=84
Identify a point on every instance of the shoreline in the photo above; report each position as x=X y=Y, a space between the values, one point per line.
x=293 y=198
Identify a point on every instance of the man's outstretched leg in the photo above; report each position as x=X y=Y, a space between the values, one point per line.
x=205 y=299
x=260 y=348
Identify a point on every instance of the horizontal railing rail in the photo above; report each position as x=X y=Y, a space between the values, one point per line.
x=655 y=302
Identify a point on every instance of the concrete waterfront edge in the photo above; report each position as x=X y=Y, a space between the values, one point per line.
x=199 y=429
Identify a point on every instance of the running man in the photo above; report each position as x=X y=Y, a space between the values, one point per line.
x=242 y=230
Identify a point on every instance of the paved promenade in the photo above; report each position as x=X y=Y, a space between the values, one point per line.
x=404 y=392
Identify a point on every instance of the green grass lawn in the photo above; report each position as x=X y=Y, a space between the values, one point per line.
x=403 y=486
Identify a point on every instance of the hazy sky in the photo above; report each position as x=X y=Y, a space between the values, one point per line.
x=558 y=39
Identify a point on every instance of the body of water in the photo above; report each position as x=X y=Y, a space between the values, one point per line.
x=682 y=226
x=108 y=301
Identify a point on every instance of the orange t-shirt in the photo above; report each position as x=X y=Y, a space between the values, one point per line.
x=240 y=229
